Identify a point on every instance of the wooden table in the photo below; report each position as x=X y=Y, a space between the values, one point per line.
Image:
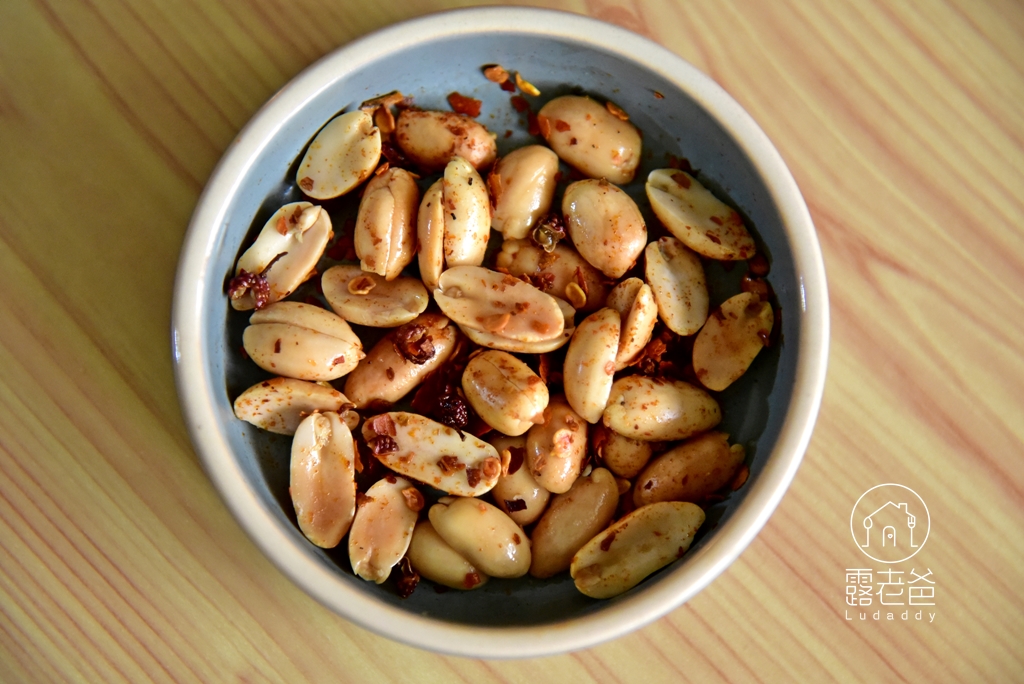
x=903 y=123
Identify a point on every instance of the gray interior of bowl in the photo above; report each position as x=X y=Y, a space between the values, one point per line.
x=672 y=124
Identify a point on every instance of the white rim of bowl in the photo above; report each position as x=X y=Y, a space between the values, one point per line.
x=278 y=542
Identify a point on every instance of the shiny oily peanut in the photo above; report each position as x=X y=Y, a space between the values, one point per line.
x=522 y=185
x=572 y=519
x=518 y=494
x=279 y=404
x=634 y=547
x=605 y=225
x=691 y=471
x=730 y=340
x=467 y=214
x=553 y=272
x=384 y=237
x=342 y=155
x=322 y=479
x=387 y=374
x=504 y=392
x=431 y=139
x=659 y=409
x=285 y=252
x=624 y=456
x=680 y=288
x=479 y=298
x=382 y=529
x=587 y=136
x=430 y=235
x=301 y=341
x=590 y=363
x=496 y=341
x=703 y=222
x=555 y=449
x=368 y=299
x=427 y=451
x=634 y=300
x=434 y=559
x=483 y=535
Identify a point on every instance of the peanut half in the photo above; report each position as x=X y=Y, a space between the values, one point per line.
x=342 y=155
x=382 y=529
x=322 y=481
x=634 y=547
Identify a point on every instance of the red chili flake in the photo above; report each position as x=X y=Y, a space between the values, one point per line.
x=544 y=126
x=393 y=154
x=409 y=580
x=714 y=238
x=306 y=183
x=256 y=282
x=572 y=141
x=606 y=543
x=658 y=95
x=338 y=360
x=473 y=477
x=391 y=479
x=513 y=505
x=521 y=307
x=681 y=163
x=450 y=464
x=717 y=221
x=277 y=346
x=508 y=132
x=383 y=425
x=363 y=499
x=758 y=265
x=466 y=106
x=245 y=356
x=390 y=372
x=413 y=499
x=561 y=126
x=519 y=103
x=758 y=286
x=516 y=460
x=516 y=539
x=679 y=554
x=532 y=124
x=412 y=343
x=453 y=409
x=382 y=445
x=508 y=86
x=472 y=579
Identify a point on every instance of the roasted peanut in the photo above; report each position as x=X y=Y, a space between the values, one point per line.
x=590 y=363
x=432 y=453
x=467 y=214
x=483 y=535
x=284 y=254
x=432 y=139
x=504 y=392
x=382 y=529
x=556 y=448
x=624 y=456
x=638 y=311
x=498 y=303
x=553 y=272
x=734 y=334
x=437 y=561
x=605 y=225
x=368 y=299
x=703 y=222
x=279 y=404
x=659 y=410
x=430 y=234
x=692 y=471
x=517 y=492
x=400 y=361
x=301 y=341
x=571 y=520
x=586 y=135
x=385 y=231
x=522 y=185
x=677 y=280
x=342 y=155
x=322 y=481
x=634 y=547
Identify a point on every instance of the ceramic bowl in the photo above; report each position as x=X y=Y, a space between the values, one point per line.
x=681 y=113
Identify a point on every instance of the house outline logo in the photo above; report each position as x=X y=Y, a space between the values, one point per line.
x=890 y=523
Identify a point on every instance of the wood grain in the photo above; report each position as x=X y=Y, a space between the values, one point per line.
x=903 y=123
